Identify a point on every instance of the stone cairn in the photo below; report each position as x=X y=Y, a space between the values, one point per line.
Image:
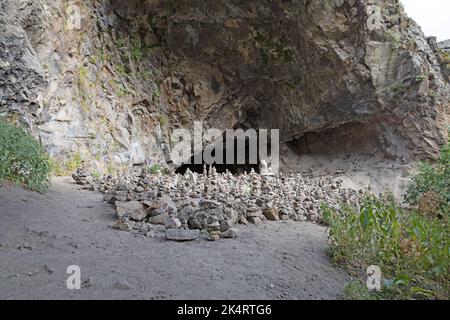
x=215 y=202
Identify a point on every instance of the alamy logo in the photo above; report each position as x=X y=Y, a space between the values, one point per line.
x=73 y=17
x=232 y=147
x=73 y=282
x=374 y=22
x=374 y=278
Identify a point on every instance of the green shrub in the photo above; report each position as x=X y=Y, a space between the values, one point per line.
x=22 y=159
x=96 y=175
x=371 y=233
x=413 y=251
x=73 y=163
x=412 y=248
x=121 y=69
x=155 y=169
x=137 y=53
x=421 y=77
x=162 y=120
x=272 y=50
x=63 y=168
x=398 y=88
x=394 y=38
x=434 y=178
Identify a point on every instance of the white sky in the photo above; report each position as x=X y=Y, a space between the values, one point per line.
x=432 y=15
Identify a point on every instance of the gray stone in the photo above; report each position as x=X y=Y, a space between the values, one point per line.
x=159 y=219
x=169 y=204
x=215 y=226
x=138 y=215
x=253 y=213
x=122 y=226
x=230 y=233
x=182 y=234
x=122 y=285
x=121 y=195
x=157 y=212
x=254 y=220
x=132 y=208
x=226 y=224
x=172 y=223
x=213 y=237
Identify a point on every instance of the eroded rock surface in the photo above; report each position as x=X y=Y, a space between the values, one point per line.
x=114 y=87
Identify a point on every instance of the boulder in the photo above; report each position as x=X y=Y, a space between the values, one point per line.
x=159 y=219
x=254 y=220
x=230 y=233
x=226 y=224
x=134 y=209
x=161 y=205
x=271 y=214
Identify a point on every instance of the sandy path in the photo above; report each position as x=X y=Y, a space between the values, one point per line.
x=69 y=226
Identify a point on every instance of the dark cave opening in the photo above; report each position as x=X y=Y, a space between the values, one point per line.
x=239 y=151
x=352 y=138
x=234 y=167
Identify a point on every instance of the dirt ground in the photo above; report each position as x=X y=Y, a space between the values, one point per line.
x=41 y=235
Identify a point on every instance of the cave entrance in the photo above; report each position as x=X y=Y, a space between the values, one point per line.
x=350 y=146
x=354 y=138
x=235 y=167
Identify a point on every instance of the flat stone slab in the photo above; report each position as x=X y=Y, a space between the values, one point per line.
x=182 y=234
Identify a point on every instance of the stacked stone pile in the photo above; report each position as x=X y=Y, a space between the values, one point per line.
x=216 y=202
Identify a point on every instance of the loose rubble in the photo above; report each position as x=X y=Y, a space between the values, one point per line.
x=215 y=202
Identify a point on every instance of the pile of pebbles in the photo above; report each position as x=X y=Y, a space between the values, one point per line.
x=213 y=203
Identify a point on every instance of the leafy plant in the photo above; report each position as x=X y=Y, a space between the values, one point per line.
x=137 y=53
x=156 y=96
x=170 y=6
x=121 y=43
x=272 y=50
x=96 y=175
x=83 y=85
x=397 y=90
x=61 y=168
x=22 y=159
x=121 y=69
x=421 y=78
x=413 y=251
x=73 y=163
x=101 y=56
x=412 y=248
x=162 y=120
x=394 y=38
x=445 y=60
x=155 y=169
x=432 y=179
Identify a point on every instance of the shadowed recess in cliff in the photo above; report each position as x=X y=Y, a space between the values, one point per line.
x=238 y=162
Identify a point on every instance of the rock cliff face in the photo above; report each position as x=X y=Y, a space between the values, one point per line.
x=114 y=87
